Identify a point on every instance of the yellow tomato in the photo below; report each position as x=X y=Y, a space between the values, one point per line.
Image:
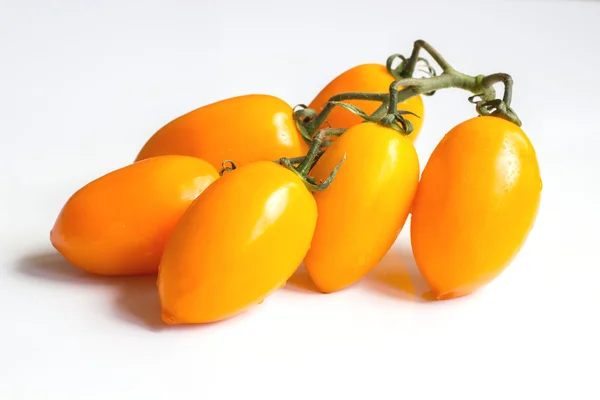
x=476 y=204
x=369 y=78
x=243 y=129
x=238 y=242
x=119 y=223
x=366 y=206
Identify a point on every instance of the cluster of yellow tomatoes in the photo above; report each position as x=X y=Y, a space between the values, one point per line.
x=222 y=242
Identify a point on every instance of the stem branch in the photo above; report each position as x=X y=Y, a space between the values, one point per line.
x=449 y=79
x=320 y=118
x=409 y=69
x=307 y=163
x=492 y=79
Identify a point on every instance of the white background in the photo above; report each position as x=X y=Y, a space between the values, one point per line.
x=84 y=84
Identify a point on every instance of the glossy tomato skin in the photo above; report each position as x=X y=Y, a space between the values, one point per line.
x=370 y=78
x=475 y=206
x=243 y=129
x=240 y=240
x=119 y=223
x=366 y=206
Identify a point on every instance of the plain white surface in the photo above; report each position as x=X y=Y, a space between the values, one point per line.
x=84 y=84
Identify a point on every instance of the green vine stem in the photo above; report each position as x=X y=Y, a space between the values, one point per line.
x=406 y=86
x=301 y=166
x=481 y=86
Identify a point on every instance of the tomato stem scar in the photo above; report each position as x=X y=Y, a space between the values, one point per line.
x=227 y=166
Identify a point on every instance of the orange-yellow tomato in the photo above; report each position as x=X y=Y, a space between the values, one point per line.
x=366 y=206
x=238 y=242
x=243 y=129
x=119 y=223
x=475 y=205
x=369 y=78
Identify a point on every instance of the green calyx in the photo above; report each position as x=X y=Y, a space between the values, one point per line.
x=301 y=166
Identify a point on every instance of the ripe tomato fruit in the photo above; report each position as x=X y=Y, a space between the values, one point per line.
x=119 y=223
x=238 y=242
x=244 y=129
x=366 y=206
x=476 y=204
x=369 y=78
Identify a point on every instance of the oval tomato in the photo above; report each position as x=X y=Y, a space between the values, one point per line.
x=244 y=129
x=119 y=223
x=369 y=78
x=238 y=242
x=366 y=206
x=475 y=205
